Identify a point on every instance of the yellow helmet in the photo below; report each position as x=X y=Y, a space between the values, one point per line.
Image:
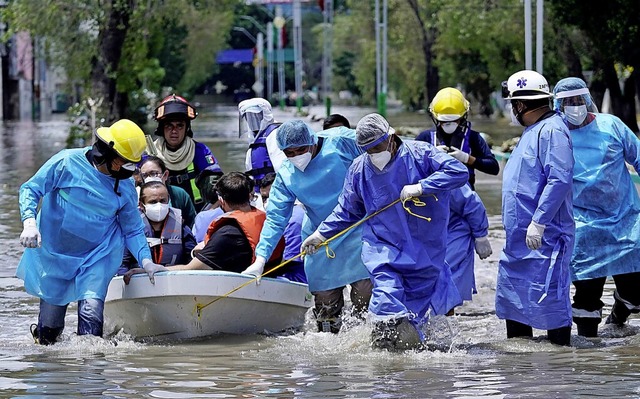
x=449 y=105
x=126 y=138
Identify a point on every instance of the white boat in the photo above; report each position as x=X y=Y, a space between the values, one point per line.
x=195 y=304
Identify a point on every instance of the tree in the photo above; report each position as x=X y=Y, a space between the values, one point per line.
x=112 y=49
x=613 y=30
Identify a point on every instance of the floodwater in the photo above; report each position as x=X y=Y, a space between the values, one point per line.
x=475 y=358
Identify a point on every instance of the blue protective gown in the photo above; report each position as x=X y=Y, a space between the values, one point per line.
x=317 y=188
x=606 y=206
x=404 y=254
x=468 y=221
x=84 y=226
x=533 y=285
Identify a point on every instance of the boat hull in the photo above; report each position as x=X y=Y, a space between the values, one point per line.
x=196 y=304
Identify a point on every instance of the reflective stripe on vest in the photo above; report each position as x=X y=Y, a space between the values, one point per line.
x=191 y=176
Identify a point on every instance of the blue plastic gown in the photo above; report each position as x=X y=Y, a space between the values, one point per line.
x=533 y=285
x=404 y=254
x=84 y=226
x=468 y=221
x=606 y=206
x=317 y=188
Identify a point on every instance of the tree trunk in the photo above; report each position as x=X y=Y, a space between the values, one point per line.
x=622 y=103
x=104 y=66
x=429 y=36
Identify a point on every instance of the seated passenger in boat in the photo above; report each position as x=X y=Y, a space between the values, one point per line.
x=170 y=240
x=210 y=211
x=231 y=239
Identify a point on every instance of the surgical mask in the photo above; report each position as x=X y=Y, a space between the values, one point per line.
x=380 y=159
x=153 y=178
x=514 y=118
x=575 y=114
x=156 y=212
x=449 y=127
x=301 y=161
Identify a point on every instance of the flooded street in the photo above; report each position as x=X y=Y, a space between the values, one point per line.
x=475 y=358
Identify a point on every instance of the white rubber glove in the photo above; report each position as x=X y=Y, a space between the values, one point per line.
x=411 y=190
x=442 y=148
x=256 y=269
x=534 y=235
x=459 y=155
x=483 y=247
x=152 y=268
x=30 y=236
x=311 y=244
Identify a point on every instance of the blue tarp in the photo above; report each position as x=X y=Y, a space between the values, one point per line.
x=245 y=56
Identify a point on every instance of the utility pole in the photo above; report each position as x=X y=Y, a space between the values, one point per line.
x=327 y=54
x=270 y=59
x=381 y=56
x=297 y=52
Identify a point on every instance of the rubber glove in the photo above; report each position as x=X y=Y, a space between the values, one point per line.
x=411 y=190
x=30 y=236
x=311 y=244
x=256 y=269
x=459 y=155
x=443 y=148
x=152 y=268
x=534 y=235
x=483 y=247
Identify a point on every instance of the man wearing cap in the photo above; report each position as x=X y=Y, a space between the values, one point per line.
x=533 y=274
x=403 y=246
x=313 y=173
x=187 y=160
x=88 y=214
x=606 y=208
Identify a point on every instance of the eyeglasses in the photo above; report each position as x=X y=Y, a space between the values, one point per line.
x=153 y=173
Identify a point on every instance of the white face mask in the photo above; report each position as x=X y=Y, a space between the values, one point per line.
x=514 y=119
x=575 y=114
x=380 y=159
x=153 y=178
x=449 y=127
x=156 y=212
x=301 y=161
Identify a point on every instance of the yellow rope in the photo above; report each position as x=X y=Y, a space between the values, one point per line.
x=330 y=253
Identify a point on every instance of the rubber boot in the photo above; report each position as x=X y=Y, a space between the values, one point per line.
x=45 y=335
x=587 y=326
x=560 y=336
x=619 y=314
x=329 y=325
x=396 y=335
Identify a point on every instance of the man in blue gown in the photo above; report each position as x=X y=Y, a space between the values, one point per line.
x=403 y=248
x=88 y=215
x=313 y=173
x=606 y=208
x=533 y=276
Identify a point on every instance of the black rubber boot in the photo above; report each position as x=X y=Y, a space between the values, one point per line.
x=619 y=314
x=560 y=336
x=45 y=335
x=396 y=335
x=587 y=326
x=329 y=325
